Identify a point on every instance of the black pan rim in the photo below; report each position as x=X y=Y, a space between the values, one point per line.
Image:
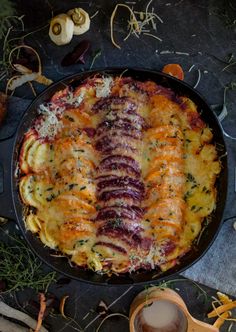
x=114 y=71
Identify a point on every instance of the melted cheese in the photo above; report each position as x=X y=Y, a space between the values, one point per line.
x=59 y=165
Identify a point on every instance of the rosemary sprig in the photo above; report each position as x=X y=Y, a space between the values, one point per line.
x=20 y=268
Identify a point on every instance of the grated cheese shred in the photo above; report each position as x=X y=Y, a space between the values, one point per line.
x=103 y=87
x=50 y=123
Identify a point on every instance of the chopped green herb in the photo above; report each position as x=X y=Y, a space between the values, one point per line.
x=115 y=222
x=79 y=150
x=187 y=195
x=81 y=242
x=190 y=178
x=72 y=185
x=198 y=209
x=50 y=198
x=69 y=118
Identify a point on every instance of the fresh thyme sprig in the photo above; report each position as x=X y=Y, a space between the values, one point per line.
x=20 y=268
x=172 y=284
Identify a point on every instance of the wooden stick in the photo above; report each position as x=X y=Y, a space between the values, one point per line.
x=6 y=325
x=10 y=312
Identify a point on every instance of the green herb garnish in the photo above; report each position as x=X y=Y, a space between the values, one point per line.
x=20 y=268
x=115 y=223
x=69 y=118
x=190 y=178
x=72 y=185
x=81 y=242
x=50 y=198
x=79 y=150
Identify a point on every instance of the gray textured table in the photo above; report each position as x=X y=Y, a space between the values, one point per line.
x=193 y=33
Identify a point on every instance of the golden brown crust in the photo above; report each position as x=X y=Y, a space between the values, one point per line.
x=119 y=182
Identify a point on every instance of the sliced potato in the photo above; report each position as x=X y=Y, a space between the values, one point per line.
x=27 y=188
x=30 y=156
x=42 y=157
x=33 y=223
x=30 y=138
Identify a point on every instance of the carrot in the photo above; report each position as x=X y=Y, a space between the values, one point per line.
x=62 y=305
x=220 y=320
x=174 y=70
x=221 y=309
x=41 y=311
x=224 y=299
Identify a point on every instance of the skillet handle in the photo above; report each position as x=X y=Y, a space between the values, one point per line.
x=6 y=203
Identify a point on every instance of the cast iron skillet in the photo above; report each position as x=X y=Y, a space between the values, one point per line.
x=11 y=194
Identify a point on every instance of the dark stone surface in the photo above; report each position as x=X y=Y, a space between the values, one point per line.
x=193 y=33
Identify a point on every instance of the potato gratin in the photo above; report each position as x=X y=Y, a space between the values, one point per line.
x=118 y=175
